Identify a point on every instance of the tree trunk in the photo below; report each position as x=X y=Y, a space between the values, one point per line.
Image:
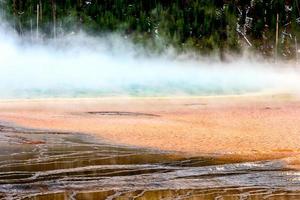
x=14 y=7
x=41 y=10
x=37 y=20
x=54 y=17
x=79 y=10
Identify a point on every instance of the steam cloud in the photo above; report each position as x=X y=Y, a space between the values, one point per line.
x=81 y=65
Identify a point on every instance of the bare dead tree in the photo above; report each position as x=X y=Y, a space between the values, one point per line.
x=244 y=22
x=286 y=36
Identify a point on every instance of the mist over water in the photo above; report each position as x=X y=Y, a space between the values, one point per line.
x=78 y=65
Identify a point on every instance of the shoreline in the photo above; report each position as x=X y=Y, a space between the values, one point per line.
x=265 y=94
x=239 y=128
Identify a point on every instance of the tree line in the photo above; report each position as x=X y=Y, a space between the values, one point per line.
x=268 y=26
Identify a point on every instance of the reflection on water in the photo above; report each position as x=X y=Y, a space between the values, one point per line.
x=51 y=165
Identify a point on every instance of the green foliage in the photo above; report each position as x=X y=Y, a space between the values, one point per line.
x=202 y=25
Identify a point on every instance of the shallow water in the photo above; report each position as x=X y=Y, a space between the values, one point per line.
x=37 y=164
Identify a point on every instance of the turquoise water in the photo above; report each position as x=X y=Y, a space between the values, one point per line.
x=130 y=90
x=79 y=65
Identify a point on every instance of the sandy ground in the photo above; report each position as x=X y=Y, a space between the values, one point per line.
x=238 y=127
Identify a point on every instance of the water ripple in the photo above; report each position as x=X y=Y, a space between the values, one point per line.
x=37 y=164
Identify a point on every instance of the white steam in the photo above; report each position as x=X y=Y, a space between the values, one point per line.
x=81 y=65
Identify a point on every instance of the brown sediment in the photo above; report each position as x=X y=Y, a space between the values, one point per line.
x=23 y=140
x=237 y=127
x=120 y=113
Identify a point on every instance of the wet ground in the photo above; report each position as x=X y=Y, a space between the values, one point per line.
x=41 y=165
